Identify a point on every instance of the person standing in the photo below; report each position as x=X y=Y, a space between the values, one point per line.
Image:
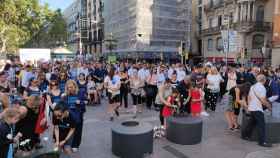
x=256 y=100
x=136 y=85
x=124 y=87
x=113 y=84
x=25 y=76
x=164 y=91
x=231 y=78
x=151 y=89
x=274 y=97
x=237 y=98
x=73 y=102
x=213 y=81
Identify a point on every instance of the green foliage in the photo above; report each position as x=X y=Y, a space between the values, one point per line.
x=24 y=22
x=58 y=30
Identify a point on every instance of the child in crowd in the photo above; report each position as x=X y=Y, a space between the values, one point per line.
x=196 y=95
x=173 y=105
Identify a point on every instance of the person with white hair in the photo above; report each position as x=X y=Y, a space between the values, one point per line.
x=256 y=100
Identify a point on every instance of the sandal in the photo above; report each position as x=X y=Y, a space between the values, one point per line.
x=238 y=127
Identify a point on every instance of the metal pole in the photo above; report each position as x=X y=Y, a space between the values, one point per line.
x=80 y=35
x=227 y=42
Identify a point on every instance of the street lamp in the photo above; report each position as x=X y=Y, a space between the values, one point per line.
x=140 y=37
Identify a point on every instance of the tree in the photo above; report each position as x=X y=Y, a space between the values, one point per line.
x=53 y=31
x=58 y=29
x=20 y=20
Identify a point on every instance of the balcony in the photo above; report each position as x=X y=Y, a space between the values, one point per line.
x=212 y=30
x=240 y=27
x=212 y=5
x=252 y=26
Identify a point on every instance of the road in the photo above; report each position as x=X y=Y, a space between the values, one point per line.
x=217 y=141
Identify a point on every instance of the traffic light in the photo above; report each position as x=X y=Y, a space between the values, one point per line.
x=183 y=46
x=246 y=53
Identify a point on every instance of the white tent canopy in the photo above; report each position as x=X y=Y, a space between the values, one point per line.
x=61 y=50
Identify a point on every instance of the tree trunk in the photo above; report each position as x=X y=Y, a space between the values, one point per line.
x=3 y=40
x=3 y=47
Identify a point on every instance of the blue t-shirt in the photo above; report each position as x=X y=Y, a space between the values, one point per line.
x=62 y=85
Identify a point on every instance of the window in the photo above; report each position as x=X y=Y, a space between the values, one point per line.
x=210 y=44
x=211 y=3
x=260 y=14
x=210 y=22
x=200 y=13
x=199 y=2
x=219 y=42
x=258 y=41
x=220 y=20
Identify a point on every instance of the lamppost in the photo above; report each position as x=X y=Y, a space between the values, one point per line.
x=139 y=35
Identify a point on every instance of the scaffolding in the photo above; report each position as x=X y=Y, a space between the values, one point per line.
x=148 y=25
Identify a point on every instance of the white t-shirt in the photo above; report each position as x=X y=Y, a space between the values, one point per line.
x=130 y=71
x=82 y=70
x=254 y=102
x=170 y=72
x=143 y=74
x=114 y=83
x=26 y=76
x=214 y=82
x=160 y=79
x=181 y=75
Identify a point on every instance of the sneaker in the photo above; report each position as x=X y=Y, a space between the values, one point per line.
x=75 y=150
x=268 y=145
x=111 y=118
x=204 y=113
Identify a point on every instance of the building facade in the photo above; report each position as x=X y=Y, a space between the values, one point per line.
x=70 y=15
x=145 y=28
x=92 y=23
x=196 y=40
x=251 y=19
x=276 y=35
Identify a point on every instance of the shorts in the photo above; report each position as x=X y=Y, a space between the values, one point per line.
x=136 y=99
x=113 y=99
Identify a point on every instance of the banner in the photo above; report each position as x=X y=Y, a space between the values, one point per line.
x=232 y=40
x=34 y=55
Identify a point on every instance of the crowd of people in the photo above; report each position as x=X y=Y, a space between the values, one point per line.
x=55 y=95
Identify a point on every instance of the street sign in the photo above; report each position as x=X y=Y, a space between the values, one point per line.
x=180 y=50
x=186 y=55
x=242 y=53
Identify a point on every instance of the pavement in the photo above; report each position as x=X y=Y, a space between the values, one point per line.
x=217 y=142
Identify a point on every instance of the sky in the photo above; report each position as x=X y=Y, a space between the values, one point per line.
x=56 y=4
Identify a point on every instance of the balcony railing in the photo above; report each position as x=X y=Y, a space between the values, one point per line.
x=252 y=26
x=211 y=6
x=241 y=27
x=212 y=30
